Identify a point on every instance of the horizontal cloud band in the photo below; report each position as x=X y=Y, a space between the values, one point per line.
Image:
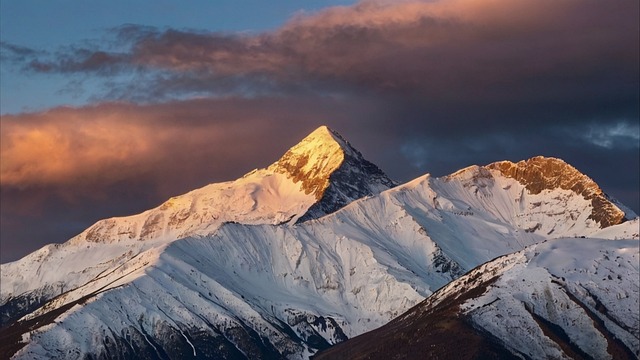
x=488 y=49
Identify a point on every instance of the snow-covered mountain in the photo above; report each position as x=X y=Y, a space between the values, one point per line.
x=315 y=177
x=286 y=261
x=561 y=299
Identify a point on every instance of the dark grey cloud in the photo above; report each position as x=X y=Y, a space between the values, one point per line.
x=488 y=52
x=480 y=66
x=16 y=53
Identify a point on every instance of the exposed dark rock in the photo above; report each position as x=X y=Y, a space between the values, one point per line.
x=11 y=335
x=19 y=306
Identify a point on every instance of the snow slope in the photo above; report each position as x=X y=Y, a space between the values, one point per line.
x=561 y=299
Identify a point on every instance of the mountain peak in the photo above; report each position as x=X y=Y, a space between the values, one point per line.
x=547 y=173
x=323 y=133
x=312 y=160
x=322 y=136
x=329 y=168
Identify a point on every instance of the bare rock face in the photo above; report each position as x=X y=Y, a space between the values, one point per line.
x=328 y=167
x=541 y=173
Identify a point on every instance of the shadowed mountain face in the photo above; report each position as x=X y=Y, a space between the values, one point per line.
x=234 y=270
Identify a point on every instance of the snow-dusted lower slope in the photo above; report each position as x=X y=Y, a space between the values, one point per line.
x=562 y=299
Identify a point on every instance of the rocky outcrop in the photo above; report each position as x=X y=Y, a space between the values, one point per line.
x=540 y=173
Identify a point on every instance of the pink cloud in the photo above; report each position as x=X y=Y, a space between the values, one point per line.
x=420 y=45
x=113 y=142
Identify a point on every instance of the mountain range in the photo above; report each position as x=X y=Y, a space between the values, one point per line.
x=322 y=254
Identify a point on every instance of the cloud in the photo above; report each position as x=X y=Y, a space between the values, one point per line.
x=489 y=52
x=473 y=67
x=620 y=135
x=13 y=52
x=43 y=150
x=111 y=142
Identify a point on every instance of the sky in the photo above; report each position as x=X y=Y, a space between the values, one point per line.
x=110 y=108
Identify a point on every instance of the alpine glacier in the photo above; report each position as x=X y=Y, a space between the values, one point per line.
x=315 y=249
